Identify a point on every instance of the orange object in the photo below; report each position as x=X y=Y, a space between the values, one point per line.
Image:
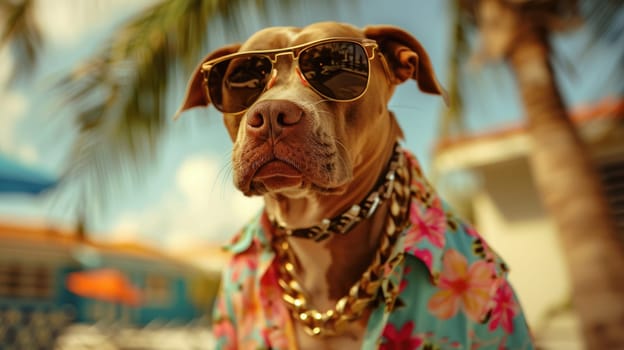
x=104 y=284
x=303 y=79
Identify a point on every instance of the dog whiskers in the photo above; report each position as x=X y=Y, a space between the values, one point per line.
x=313 y=105
x=342 y=149
x=224 y=176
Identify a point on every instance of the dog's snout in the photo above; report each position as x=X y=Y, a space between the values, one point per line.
x=273 y=116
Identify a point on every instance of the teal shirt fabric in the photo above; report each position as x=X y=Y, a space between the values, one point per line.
x=449 y=292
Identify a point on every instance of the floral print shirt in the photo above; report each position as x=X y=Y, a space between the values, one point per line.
x=450 y=291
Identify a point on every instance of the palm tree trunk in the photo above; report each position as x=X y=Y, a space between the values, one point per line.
x=572 y=193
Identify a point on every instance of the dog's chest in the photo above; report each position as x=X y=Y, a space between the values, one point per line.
x=314 y=279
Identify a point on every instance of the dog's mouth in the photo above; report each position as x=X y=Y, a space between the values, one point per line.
x=285 y=177
x=291 y=169
x=277 y=175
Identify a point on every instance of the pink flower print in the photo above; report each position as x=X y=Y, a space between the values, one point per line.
x=412 y=162
x=404 y=281
x=456 y=345
x=275 y=338
x=425 y=256
x=427 y=223
x=247 y=307
x=472 y=232
x=246 y=261
x=220 y=309
x=223 y=329
x=505 y=309
x=461 y=286
x=271 y=296
x=400 y=339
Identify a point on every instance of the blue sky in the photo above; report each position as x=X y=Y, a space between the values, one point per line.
x=186 y=197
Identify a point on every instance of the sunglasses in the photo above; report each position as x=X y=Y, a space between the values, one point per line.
x=336 y=68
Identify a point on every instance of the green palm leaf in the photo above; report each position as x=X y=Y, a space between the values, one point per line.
x=601 y=18
x=19 y=28
x=120 y=93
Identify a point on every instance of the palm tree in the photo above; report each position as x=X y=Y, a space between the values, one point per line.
x=518 y=31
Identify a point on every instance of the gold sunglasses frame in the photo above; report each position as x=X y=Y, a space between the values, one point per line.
x=368 y=45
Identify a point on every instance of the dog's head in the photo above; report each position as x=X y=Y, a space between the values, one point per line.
x=306 y=121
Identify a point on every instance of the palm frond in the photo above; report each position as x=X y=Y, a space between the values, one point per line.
x=555 y=15
x=19 y=29
x=120 y=93
x=603 y=19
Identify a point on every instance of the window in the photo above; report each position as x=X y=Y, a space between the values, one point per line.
x=19 y=280
x=157 y=289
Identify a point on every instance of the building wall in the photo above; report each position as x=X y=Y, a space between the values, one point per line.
x=510 y=216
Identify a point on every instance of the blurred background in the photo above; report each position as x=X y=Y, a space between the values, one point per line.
x=112 y=215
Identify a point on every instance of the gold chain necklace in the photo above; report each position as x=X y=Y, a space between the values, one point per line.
x=366 y=291
x=341 y=224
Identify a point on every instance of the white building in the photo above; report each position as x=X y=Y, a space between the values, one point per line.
x=487 y=177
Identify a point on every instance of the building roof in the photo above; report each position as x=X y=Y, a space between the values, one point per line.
x=482 y=148
x=48 y=236
x=16 y=177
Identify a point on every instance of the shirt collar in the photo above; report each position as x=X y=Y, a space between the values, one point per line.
x=425 y=238
x=258 y=232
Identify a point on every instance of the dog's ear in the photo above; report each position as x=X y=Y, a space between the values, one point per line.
x=195 y=91
x=406 y=57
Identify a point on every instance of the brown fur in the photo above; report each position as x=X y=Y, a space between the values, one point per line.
x=322 y=156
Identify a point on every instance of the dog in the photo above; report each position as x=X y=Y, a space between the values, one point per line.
x=353 y=249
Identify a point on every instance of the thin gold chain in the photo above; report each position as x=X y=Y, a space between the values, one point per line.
x=366 y=291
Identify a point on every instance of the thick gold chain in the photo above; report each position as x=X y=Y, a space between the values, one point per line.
x=366 y=291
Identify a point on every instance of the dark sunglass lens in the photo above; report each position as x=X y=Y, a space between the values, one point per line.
x=338 y=70
x=234 y=85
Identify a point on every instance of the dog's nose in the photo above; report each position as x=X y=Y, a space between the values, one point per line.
x=273 y=116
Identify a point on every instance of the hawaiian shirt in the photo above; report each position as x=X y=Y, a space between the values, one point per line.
x=449 y=292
